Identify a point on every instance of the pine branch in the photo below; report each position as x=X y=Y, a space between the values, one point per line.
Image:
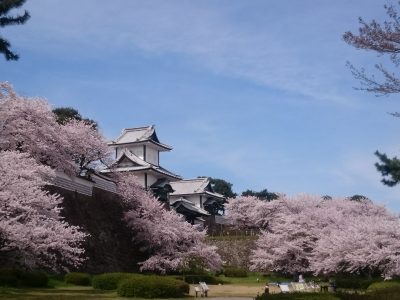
x=18 y=20
x=5 y=49
x=7 y=5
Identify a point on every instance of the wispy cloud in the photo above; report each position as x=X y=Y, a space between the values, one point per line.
x=277 y=49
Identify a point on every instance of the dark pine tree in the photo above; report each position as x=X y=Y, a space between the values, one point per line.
x=7 y=19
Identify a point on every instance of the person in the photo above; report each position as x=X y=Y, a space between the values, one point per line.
x=301 y=279
x=266 y=289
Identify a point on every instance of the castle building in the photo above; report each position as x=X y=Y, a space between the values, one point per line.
x=137 y=150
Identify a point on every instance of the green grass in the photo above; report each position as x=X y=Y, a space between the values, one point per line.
x=383 y=285
x=58 y=283
x=302 y=296
x=76 y=293
x=252 y=279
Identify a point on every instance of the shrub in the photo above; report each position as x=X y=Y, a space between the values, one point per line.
x=195 y=279
x=78 y=278
x=297 y=296
x=152 y=287
x=20 y=278
x=383 y=285
x=34 y=279
x=9 y=277
x=110 y=281
x=389 y=293
x=354 y=282
x=235 y=272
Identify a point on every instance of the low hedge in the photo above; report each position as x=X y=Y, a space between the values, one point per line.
x=383 y=286
x=195 y=279
x=109 y=281
x=152 y=287
x=83 y=279
x=235 y=272
x=20 y=278
x=388 y=293
x=297 y=296
x=354 y=282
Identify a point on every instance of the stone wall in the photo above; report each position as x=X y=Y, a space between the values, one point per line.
x=234 y=251
x=109 y=247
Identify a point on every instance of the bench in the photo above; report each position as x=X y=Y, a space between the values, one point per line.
x=196 y=290
x=203 y=289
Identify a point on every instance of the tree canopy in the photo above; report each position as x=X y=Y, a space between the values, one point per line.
x=6 y=19
x=383 y=39
x=262 y=195
x=305 y=233
x=221 y=186
x=171 y=242
x=67 y=114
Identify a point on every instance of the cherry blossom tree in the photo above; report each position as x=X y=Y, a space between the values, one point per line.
x=85 y=145
x=29 y=125
x=364 y=239
x=286 y=246
x=311 y=234
x=249 y=212
x=171 y=242
x=32 y=233
x=32 y=147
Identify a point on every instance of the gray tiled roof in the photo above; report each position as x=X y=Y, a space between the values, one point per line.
x=193 y=186
x=189 y=206
x=139 y=165
x=139 y=134
x=189 y=186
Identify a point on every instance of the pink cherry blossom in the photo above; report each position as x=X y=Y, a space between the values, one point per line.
x=32 y=233
x=171 y=241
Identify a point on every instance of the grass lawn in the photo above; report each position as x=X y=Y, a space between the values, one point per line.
x=251 y=279
x=76 y=293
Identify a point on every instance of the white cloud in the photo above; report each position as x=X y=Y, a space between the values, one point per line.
x=286 y=51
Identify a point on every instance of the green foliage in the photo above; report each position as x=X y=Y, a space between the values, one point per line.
x=262 y=195
x=195 y=279
x=222 y=187
x=297 y=296
x=6 y=19
x=387 y=293
x=65 y=114
x=231 y=271
x=110 y=281
x=383 y=285
x=389 y=168
x=20 y=278
x=152 y=287
x=354 y=282
x=277 y=277
x=358 y=198
x=78 y=278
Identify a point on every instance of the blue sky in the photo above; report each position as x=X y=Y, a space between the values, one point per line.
x=254 y=92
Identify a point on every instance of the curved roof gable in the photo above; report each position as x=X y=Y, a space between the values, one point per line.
x=194 y=186
x=139 y=135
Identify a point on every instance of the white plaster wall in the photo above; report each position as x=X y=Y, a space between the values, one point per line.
x=194 y=199
x=137 y=150
x=152 y=156
x=151 y=179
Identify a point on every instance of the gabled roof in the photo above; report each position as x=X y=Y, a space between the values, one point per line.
x=138 y=164
x=139 y=135
x=194 y=186
x=183 y=205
